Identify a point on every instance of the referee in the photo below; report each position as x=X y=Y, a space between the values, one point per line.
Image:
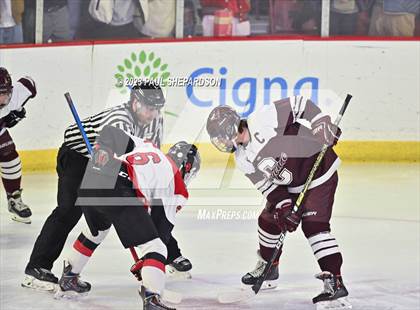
x=139 y=117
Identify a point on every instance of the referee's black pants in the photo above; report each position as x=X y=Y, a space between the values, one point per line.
x=50 y=242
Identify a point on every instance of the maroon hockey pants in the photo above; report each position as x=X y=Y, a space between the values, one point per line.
x=316 y=215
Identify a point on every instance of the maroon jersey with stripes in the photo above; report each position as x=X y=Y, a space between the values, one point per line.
x=281 y=138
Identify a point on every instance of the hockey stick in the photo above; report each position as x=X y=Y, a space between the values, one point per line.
x=169 y=296
x=238 y=296
x=78 y=122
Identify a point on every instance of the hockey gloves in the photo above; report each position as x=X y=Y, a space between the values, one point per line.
x=14 y=117
x=325 y=131
x=285 y=218
x=136 y=269
x=101 y=156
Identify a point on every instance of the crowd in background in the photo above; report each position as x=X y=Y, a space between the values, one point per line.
x=65 y=20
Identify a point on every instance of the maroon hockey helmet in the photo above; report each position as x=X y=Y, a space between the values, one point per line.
x=5 y=87
x=187 y=159
x=5 y=81
x=222 y=127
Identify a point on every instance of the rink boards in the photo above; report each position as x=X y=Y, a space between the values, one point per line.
x=382 y=123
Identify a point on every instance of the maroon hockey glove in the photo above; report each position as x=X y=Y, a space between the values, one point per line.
x=292 y=221
x=14 y=117
x=286 y=219
x=136 y=269
x=325 y=131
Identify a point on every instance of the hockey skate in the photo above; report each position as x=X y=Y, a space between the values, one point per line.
x=179 y=268
x=19 y=210
x=40 y=279
x=70 y=286
x=334 y=294
x=272 y=278
x=152 y=301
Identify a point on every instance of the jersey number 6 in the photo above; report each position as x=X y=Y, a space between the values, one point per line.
x=143 y=158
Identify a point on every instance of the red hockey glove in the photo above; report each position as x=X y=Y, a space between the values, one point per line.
x=136 y=269
x=325 y=131
x=286 y=219
x=101 y=156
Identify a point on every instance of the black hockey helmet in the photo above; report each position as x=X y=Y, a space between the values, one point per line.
x=222 y=127
x=148 y=93
x=187 y=159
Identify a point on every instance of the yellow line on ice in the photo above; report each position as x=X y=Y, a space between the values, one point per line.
x=349 y=151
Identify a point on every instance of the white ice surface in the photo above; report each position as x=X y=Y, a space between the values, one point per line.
x=375 y=220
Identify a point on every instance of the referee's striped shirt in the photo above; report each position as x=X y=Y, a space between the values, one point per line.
x=120 y=117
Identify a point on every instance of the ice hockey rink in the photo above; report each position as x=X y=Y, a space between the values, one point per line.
x=375 y=220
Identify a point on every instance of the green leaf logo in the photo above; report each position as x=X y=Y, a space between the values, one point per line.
x=127 y=64
x=142 y=57
x=137 y=66
x=137 y=71
x=133 y=57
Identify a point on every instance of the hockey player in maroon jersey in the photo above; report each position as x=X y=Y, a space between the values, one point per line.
x=141 y=207
x=276 y=152
x=12 y=101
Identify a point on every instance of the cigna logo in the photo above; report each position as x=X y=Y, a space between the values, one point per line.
x=246 y=91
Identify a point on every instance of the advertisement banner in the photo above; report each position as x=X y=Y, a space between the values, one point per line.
x=197 y=76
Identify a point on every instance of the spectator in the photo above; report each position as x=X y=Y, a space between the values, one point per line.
x=307 y=17
x=394 y=18
x=56 y=22
x=11 y=21
x=417 y=30
x=190 y=17
x=280 y=17
x=160 y=21
x=239 y=10
x=349 y=17
x=343 y=18
x=363 y=19
x=75 y=10
x=28 y=21
x=109 y=19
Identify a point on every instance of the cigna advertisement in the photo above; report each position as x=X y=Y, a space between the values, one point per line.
x=246 y=75
x=207 y=86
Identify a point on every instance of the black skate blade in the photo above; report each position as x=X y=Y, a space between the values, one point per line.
x=338 y=304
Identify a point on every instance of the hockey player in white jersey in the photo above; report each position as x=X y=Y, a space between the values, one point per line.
x=141 y=207
x=12 y=101
x=142 y=117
